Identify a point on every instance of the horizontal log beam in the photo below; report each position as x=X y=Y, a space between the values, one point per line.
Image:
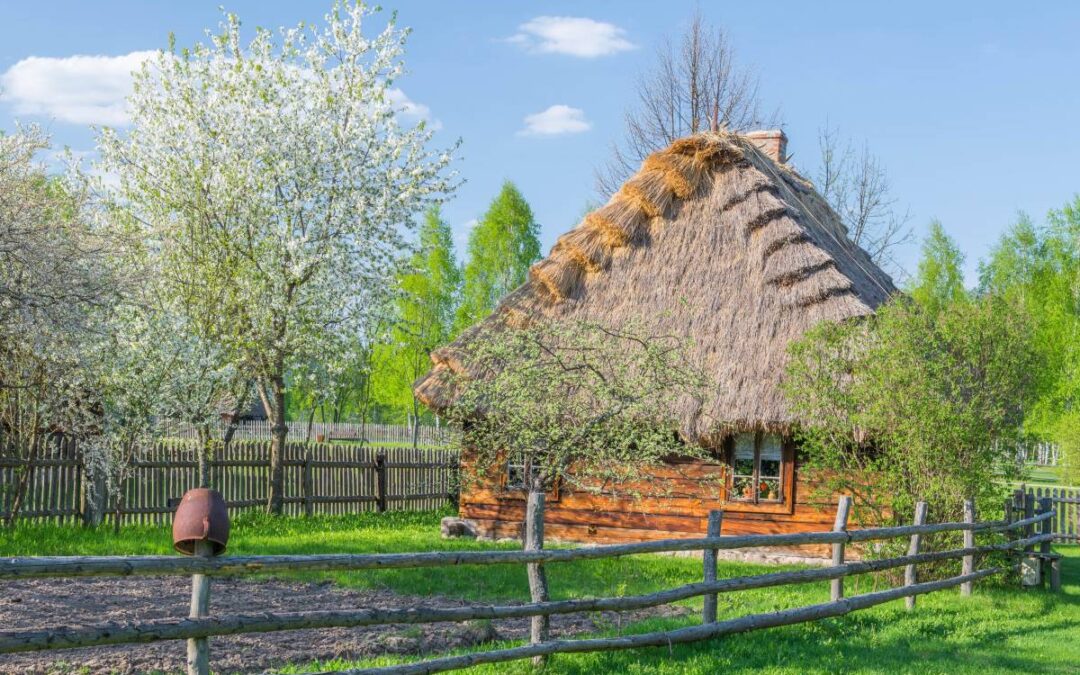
x=116 y=633
x=354 y=499
x=80 y=566
x=39 y=463
x=681 y=635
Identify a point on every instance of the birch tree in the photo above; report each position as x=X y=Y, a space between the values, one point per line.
x=424 y=317
x=501 y=248
x=856 y=184
x=277 y=176
x=696 y=84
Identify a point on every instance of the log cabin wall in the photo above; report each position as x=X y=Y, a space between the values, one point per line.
x=674 y=504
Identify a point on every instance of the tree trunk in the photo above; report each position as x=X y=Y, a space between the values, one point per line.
x=415 y=423
x=204 y=455
x=310 y=424
x=118 y=507
x=234 y=419
x=534 y=541
x=279 y=432
x=24 y=480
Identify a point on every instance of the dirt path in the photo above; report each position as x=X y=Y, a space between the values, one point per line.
x=42 y=603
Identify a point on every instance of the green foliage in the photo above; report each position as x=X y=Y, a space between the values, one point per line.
x=940 y=279
x=585 y=403
x=1067 y=434
x=502 y=246
x=424 y=314
x=1040 y=268
x=907 y=405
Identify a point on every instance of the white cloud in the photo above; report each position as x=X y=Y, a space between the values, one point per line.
x=80 y=89
x=572 y=35
x=412 y=111
x=556 y=120
x=84 y=89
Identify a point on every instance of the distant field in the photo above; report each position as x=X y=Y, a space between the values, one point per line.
x=1046 y=475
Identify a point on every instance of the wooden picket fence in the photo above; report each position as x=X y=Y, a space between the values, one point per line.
x=425 y=435
x=1029 y=548
x=319 y=479
x=56 y=482
x=1066 y=500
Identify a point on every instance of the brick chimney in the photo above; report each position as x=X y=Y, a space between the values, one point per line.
x=771 y=142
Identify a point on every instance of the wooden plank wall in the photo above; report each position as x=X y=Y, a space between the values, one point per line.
x=319 y=479
x=675 y=504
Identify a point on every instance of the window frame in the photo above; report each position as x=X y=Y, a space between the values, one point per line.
x=785 y=503
x=510 y=491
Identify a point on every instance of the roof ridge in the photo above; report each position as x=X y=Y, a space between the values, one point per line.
x=666 y=178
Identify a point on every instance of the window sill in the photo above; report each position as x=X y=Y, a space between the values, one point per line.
x=736 y=506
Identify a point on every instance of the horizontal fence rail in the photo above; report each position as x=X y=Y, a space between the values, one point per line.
x=742 y=624
x=319 y=478
x=83 y=566
x=1033 y=532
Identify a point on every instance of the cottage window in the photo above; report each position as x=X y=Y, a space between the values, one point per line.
x=757 y=468
x=515 y=473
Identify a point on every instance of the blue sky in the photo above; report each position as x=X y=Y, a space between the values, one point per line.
x=971 y=106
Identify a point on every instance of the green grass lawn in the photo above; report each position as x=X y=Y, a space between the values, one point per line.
x=1047 y=476
x=1000 y=629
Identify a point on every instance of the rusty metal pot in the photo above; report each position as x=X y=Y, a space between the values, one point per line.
x=201 y=516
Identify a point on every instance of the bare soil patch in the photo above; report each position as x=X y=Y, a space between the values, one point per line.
x=43 y=603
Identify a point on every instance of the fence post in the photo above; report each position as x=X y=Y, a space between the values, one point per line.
x=1046 y=505
x=309 y=506
x=1030 y=572
x=708 y=612
x=380 y=482
x=198 y=649
x=913 y=549
x=969 y=542
x=95 y=496
x=843 y=509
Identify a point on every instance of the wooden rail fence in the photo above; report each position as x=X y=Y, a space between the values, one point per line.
x=319 y=479
x=198 y=629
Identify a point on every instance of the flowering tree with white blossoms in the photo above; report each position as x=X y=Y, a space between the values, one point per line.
x=276 y=179
x=57 y=281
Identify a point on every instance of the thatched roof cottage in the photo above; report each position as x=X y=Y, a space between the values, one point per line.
x=718 y=239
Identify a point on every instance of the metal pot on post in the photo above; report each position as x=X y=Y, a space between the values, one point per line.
x=201 y=518
x=200 y=528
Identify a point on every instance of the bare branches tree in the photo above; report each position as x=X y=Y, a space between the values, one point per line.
x=856 y=184
x=696 y=85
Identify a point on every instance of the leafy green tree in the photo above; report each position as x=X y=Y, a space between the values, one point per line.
x=587 y=405
x=502 y=246
x=908 y=404
x=1040 y=268
x=426 y=306
x=940 y=279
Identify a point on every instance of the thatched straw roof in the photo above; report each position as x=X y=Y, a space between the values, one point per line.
x=713 y=240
